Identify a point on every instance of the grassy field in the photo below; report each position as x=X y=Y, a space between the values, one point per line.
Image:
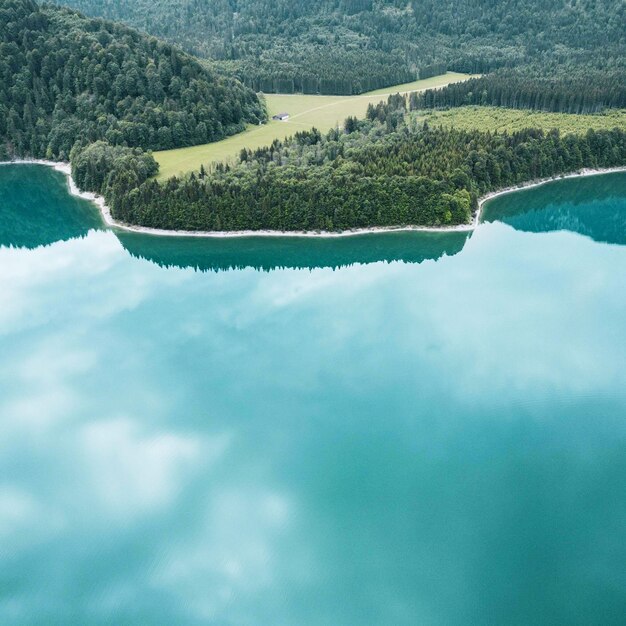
x=498 y=119
x=323 y=112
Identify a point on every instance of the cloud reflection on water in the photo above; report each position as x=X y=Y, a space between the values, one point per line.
x=385 y=443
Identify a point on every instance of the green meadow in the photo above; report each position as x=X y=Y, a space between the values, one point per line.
x=496 y=119
x=305 y=111
x=325 y=112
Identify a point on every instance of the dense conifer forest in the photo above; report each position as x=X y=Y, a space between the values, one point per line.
x=387 y=170
x=104 y=96
x=588 y=91
x=351 y=46
x=66 y=78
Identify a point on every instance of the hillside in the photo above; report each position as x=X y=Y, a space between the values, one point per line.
x=353 y=46
x=65 y=78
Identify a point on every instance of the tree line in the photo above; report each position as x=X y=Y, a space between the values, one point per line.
x=586 y=91
x=383 y=171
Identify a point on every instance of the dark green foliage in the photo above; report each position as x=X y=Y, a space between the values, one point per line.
x=351 y=46
x=66 y=78
x=108 y=94
x=291 y=252
x=587 y=91
x=382 y=173
x=100 y=166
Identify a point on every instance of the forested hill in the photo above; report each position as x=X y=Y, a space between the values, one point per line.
x=386 y=170
x=65 y=78
x=351 y=46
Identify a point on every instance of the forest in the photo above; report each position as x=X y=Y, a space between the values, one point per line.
x=387 y=170
x=588 y=91
x=104 y=96
x=65 y=78
x=352 y=46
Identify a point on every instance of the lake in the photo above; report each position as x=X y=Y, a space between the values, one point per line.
x=408 y=428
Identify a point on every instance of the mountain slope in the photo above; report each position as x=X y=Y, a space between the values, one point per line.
x=65 y=78
x=351 y=46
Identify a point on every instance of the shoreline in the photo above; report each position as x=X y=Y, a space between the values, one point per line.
x=65 y=168
x=586 y=171
x=105 y=212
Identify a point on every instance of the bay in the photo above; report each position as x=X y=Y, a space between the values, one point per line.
x=408 y=428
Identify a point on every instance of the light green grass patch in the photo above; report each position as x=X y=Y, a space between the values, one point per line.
x=305 y=111
x=426 y=83
x=500 y=119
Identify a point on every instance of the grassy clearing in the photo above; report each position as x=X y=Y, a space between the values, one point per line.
x=426 y=83
x=323 y=112
x=499 y=119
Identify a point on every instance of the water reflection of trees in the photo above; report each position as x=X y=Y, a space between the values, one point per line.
x=593 y=206
x=36 y=212
x=36 y=209
x=265 y=253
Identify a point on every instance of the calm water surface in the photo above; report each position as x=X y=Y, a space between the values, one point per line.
x=383 y=430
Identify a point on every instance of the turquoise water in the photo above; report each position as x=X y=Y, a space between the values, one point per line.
x=398 y=429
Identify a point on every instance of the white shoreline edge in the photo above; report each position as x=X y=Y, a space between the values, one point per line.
x=105 y=212
x=65 y=168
